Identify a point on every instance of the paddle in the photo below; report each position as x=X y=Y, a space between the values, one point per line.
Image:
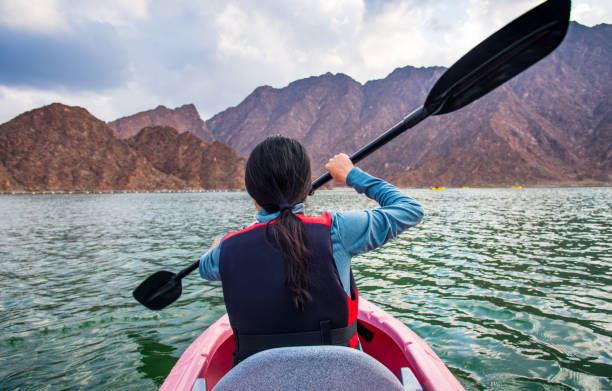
x=509 y=51
x=162 y=288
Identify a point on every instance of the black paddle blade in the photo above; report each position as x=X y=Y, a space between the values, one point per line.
x=509 y=51
x=159 y=290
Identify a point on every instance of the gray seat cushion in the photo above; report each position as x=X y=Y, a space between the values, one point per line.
x=313 y=368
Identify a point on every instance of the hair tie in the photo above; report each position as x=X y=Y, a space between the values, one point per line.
x=283 y=207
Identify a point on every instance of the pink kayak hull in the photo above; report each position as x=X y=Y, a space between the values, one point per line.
x=394 y=345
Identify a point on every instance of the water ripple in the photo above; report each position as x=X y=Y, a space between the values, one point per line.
x=512 y=289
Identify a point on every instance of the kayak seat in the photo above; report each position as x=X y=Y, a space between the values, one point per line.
x=313 y=368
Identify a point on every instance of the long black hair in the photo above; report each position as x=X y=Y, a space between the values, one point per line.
x=277 y=177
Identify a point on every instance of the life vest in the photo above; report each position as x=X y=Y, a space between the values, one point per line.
x=260 y=306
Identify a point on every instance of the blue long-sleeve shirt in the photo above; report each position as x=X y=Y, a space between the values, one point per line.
x=352 y=232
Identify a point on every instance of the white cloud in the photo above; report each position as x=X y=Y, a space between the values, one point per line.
x=299 y=39
x=482 y=18
x=396 y=36
x=17 y=100
x=215 y=53
x=247 y=34
x=44 y=16
x=592 y=12
x=119 y=13
x=57 y=16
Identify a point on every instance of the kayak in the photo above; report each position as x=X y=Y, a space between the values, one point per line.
x=404 y=356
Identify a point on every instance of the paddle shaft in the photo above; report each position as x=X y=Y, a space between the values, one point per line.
x=187 y=270
x=408 y=122
x=175 y=280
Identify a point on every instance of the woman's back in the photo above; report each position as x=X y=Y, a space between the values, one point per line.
x=257 y=298
x=287 y=279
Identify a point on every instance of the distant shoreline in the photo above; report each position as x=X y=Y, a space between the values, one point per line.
x=338 y=188
x=69 y=192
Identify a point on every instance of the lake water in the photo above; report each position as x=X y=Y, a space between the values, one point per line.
x=511 y=288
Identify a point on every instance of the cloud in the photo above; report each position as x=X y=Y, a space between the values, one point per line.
x=124 y=56
x=394 y=36
x=119 y=13
x=105 y=105
x=17 y=100
x=61 y=15
x=23 y=15
x=89 y=57
x=288 y=38
x=592 y=12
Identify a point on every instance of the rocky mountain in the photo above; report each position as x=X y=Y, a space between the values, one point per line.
x=549 y=125
x=185 y=156
x=63 y=148
x=184 y=119
x=7 y=181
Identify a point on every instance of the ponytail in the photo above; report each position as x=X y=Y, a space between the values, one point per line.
x=277 y=176
x=293 y=241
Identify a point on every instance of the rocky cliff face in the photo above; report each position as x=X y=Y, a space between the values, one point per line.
x=319 y=111
x=7 y=181
x=549 y=125
x=183 y=119
x=63 y=148
x=185 y=156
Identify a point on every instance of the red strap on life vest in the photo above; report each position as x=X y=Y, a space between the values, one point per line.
x=324 y=219
x=353 y=310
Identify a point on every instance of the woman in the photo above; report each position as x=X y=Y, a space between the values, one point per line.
x=287 y=279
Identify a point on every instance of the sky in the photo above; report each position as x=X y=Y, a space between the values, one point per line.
x=120 y=57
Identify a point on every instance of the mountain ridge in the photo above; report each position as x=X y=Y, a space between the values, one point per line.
x=184 y=119
x=552 y=121
x=62 y=148
x=551 y=125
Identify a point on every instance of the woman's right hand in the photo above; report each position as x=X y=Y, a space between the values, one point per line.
x=339 y=166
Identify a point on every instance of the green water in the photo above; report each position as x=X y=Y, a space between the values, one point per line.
x=511 y=288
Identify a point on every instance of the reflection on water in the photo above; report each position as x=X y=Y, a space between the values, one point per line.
x=154 y=364
x=511 y=288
